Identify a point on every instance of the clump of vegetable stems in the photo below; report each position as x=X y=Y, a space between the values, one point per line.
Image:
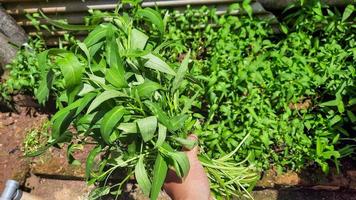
x=120 y=92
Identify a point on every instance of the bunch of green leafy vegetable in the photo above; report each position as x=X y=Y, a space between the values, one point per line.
x=120 y=94
x=274 y=87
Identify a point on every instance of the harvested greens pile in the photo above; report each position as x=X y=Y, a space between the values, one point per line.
x=121 y=94
x=142 y=81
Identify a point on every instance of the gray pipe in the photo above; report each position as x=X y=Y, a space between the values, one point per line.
x=11 y=191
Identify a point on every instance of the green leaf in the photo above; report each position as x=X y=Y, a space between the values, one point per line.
x=156 y=63
x=63 y=25
x=177 y=122
x=46 y=73
x=71 y=68
x=96 y=35
x=86 y=100
x=189 y=144
x=351 y=116
x=188 y=104
x=181 y=163
x=329 y=103
x=45 y=85
x=85 y=49
x=142 y=177
x=158 y=112
x=152 y=16
x=134 y=53
x=87 y=88
x=347 y=13
x=113 y=57
x=106 y=95
x=181 y=73
x=60 y=125
x=99 y=192
x=147 y=88
x=147 y=127
x=69 y=108
x=159 y=175
x=128 y=127
x=94 y=48
x=162 y=132
x=116 y=77
x=247 y=7
x=109 y=121
x=335 y=120
x=90 y=160
x=352 y=101
x=138 y=39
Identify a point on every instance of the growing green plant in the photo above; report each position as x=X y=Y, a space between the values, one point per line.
x=275 y=87
x=120 y=94
x=23 y=70
x=36 y=138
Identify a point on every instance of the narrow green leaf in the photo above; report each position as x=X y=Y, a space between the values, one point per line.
x=116 y=77
x=85 y=49
x=46 y=74
x=188 y=104
x=335 y=120
x=177 y=122
x=142 y=177
x=352 y=101
x=96 y=35
x=90 y=160
x=351 y=116
x=71 y=68
x=181 y=159
x=152 y=16
x=112 y=54
x=156 y=63
x=128 y=127
x=67 y=109
x=138 y=39
x=159 y=175
x=106 y=95
x=93 y=49
x=181 y=73
x=247 y=7
x=147 y=127
x=86 y=100
x=99 y=192
x=134 y=53
x=63 y=25
x=87 y=88
x=162 y=132
x=109 y=121
x=45 y=85
x=189 y=144
x=147 y=88
x=158 y=112
x=329 y=103
x=60 y=125
x=348 y=11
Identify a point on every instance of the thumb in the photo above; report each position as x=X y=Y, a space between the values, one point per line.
x=192 y=152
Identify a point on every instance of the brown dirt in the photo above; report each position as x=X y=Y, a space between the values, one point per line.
x=57 y=189
x=12 y=132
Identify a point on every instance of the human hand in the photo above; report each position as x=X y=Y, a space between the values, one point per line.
x=195 y=185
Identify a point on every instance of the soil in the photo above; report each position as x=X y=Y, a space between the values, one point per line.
x=13 y=127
